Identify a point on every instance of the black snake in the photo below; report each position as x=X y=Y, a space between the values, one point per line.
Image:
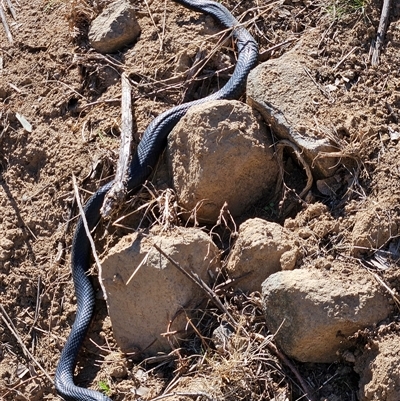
x=143 y=162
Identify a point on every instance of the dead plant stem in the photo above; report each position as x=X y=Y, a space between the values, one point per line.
x=89 y=235
x=199 y=282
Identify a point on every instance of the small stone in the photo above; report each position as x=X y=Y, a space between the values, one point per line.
x=142 y=391
x=330 y=185
x=114 y=28
x=348 y=356
x=4 y=92
x=118 y=372
x=7 y=244
x=394 y=135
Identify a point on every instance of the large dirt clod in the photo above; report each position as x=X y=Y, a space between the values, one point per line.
x=148 y=296
x=220 y=152
x=313 y=312
x=378 y=368
x=261 y=249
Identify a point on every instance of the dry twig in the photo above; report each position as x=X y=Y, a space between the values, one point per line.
x=376 y=45
x=344 y=58
x=117 y=192
x=264 y=55
x=387 y=288
x=89 y=235
x=307 y=391
x=12 y=9
x=198 y=281
x=5 y=24
x=160 y=37
x=320 y=87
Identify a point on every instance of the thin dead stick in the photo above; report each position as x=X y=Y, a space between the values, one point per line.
x=376 y=45
x=323 y=91
x=12 y=9
x=344 y=58
x=267 y=342
x=194 y=70
x=14 y=389
x=105 y=101
x=7 y=321
x=6 y=28
x=272 y=347
x=222 y=37
x=388 y=289
x=264 y=55
x=325 y=33
x=92 y=56
x=198 y=281
x=14 y=86
x=66 y=85
x=37 y=306
x=117 y=192
x=163 y=27
x=144 y=260
x=89 y=235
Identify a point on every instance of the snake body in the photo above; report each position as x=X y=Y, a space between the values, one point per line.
x=143 y=162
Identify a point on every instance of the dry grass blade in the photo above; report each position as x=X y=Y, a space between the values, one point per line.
x=160 y=37
x=66 y=85
x=265 y=54
x=241 y=370
x=168 y=207
x=163 y=25
x=144 y=260
x=104 y=101
x=320 y=87
x=307 y=391
x=193 y=74
x=7 y=321
x=88 y=233
x=237 y=363
x=5 y=24
x=345 y=58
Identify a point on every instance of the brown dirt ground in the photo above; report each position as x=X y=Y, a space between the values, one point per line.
x=70 y=95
